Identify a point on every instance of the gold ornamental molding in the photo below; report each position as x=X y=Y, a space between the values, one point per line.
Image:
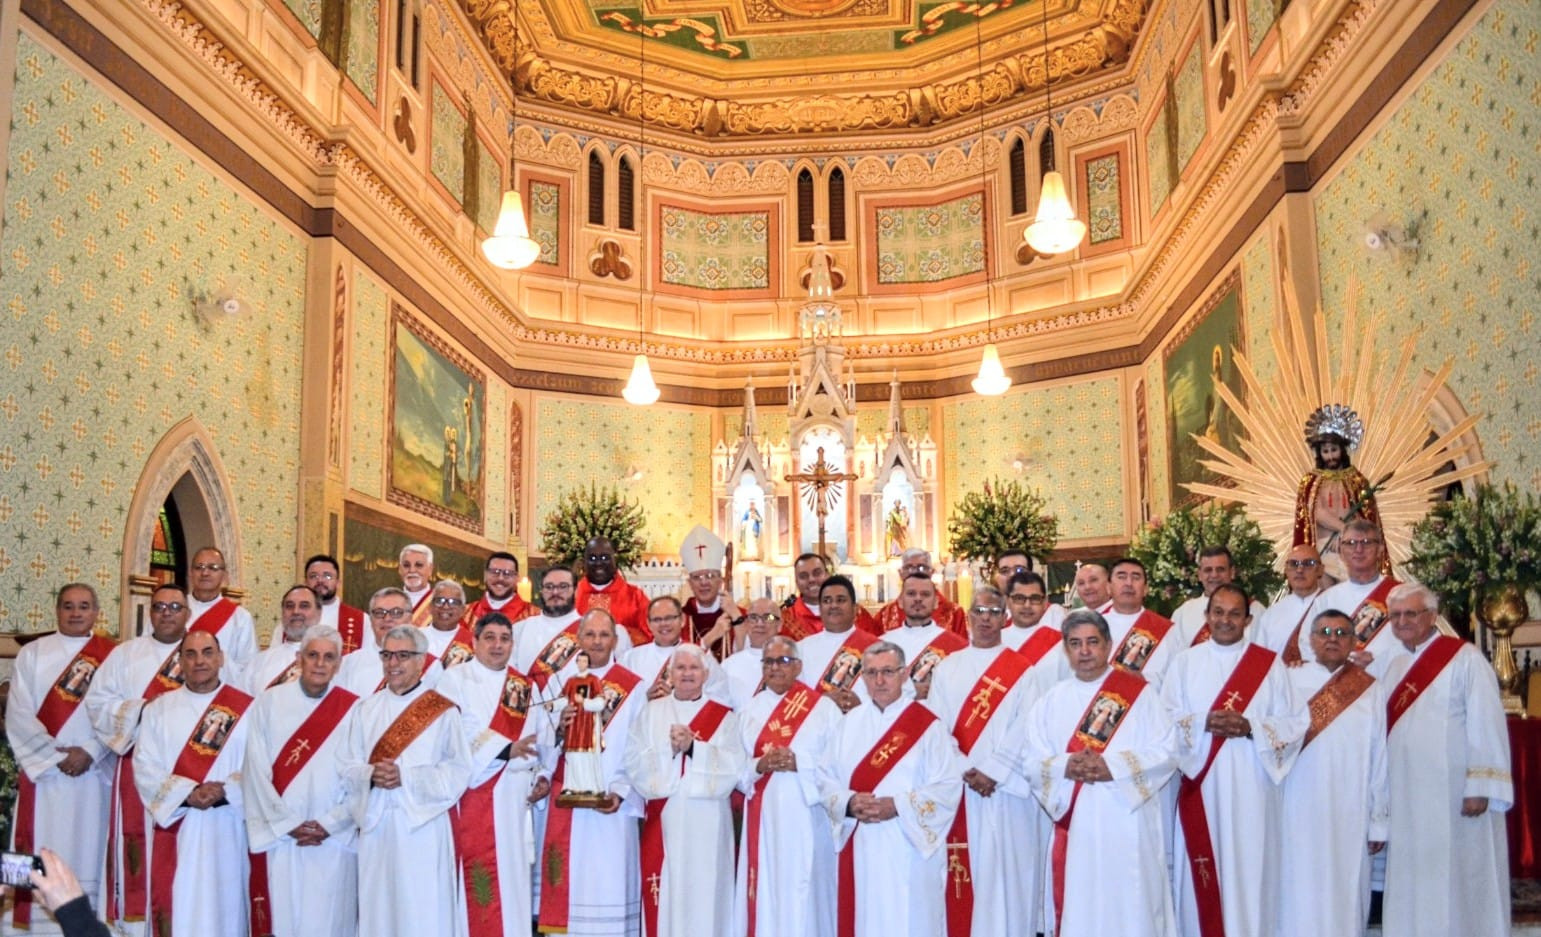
x=1105 y=44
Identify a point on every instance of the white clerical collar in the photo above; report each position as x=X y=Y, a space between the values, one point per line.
x=1421 y=647
x=417 y=597
x=927 y=624
x=497 y=604
x=202 y=604
x=709 y=608
x=1228 y=650
x=812 y=608
x=600 y=588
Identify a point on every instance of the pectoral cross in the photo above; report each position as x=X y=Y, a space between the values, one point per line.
x=818 y=486
x=297 y=752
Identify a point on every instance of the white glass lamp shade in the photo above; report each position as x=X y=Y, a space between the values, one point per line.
x=640 y=389
x=510 y=246
x=992 y=380
x=1055 y=228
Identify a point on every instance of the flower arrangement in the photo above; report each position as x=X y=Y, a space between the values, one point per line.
x=1170 y=547
x=1466 y=545
x=581 y=515
x=1004 y=516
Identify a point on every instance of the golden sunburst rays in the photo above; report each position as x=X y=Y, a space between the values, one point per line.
x=1393 y=398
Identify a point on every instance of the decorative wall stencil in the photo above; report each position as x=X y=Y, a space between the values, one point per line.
x=1200 y=355
x=1260 y=17
x=100 y=353
x=361 y=47
x=339 y=349
x=308 y=12
x=1159 y=158
x=497 y=462
x=714 y=251
x=1104 y=204
x=438 y=410
x=1160 y=493
x=1455 y=148
x=544 y=203
x=1260 y=302
x=489 y=186
x=1188 y=93
x=930 y=243
x=1078 y=428
x=515 y=470
x=447 y=140
x=368 y=363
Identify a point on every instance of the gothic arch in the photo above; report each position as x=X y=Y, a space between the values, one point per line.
x=185 y=467
x=1445 y=411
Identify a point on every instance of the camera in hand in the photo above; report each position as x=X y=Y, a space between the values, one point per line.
x=16 y=869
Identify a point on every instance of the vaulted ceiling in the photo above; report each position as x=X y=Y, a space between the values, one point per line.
x=767 y=68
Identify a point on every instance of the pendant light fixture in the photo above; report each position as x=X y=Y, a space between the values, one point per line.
x=640 y=390
x=510 y=246
x=1055 y=228
x=992 y=380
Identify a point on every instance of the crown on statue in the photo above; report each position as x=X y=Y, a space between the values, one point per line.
x=1335 y=419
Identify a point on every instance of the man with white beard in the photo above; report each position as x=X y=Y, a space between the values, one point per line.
x=279 y=663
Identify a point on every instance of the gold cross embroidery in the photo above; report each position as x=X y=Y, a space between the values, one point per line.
x=881 y=756
x=795 y=706
x=652 y=884
x=1231 y=700
x=957 y=869
x=1203 y=867
x=1406 y=697
x=984 y=702
x=297 y=752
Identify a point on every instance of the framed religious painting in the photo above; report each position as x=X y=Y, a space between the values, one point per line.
x=438 y=405
x=372 y=542
x=1198 y=358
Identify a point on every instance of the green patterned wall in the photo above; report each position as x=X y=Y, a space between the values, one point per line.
x=1463 y=149
x=361 y=58
x=715 y=251
x=495 y=509
x=1104 y=208
x=489 y=187
x=1188 y=93
x=108 y=230
x=545 y=208
x=1158 y=158
x=447 y=158
x=930 y=243
x=1073 y=436
x=1160 y=493
x=1260 y=16
x=581 y=441
x=308 y=12
x=1260 y=305
x=366 y=386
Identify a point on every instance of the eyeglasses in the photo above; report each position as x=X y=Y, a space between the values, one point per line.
x=1333 y=632
x=209 y=567
x=389 y=612
x=884 y=672
x=1305 y=564
x=1407 y=613
x=761 y=619
x=556 y=587
x=501 y=573
x=443 y=600
x=782 y=661
x=662 y=619
x=324 y=577
x=403 y=656
x=1356 y=544
x=1030 y=599
x=172 y=607
x=987 y=610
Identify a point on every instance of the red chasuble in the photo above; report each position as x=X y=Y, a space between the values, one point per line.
x=987 y=693
x=874 y=766
x=1144 y=636
x=1234 y=696
x=702 y=728
x=474 y=823
x=515 y=610
x=626 y=603
x=1429 y=665
x=58 y=705
x=948 y=614
x=779 y=730
x=203 y=746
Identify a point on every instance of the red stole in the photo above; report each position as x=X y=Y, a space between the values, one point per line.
x=845 y=664
x=59 y=704
x=934 y=653
x=1201 y=636
x=948 y=614
x=779 y=730
x=625 y=602
x=556 y=851
x=1144 y=636
x=475 y=824
x=1291 y=652
x=1424 y=671
x=1337 y=694
x=1235 y=696
x=1039 y=643
x=461 y=648
x=1370 y=616
x=214 y=620
x=702 y=727
x=350 y=622
x=296 y=753
x=422 y=612
x=987 y=693
x=1094 y=732
x=289 y=673
x=127 y=822
x=562 y=648
x=198 y=754
x=890 y=749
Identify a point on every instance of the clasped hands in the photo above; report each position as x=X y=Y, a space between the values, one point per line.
x=1087 y=767
x=206 y=795
x=1228 y=724
x=309 y=833
x=776 y=759
x=680 y=738
x=869 y=808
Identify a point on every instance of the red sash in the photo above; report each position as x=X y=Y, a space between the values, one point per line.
x=1235 y=696
x=845 y=666
x=988 y=691
x=1038 y=644
x=408 y=725
x=291 y=672
x=1429 y=665
x=779 y=730
x=556 y=851
x=874 y=766
x=296 y=753
x=214 y=620
x=422 y=612
x=474 y=820
x=198 y=754
x=127 y=822
x=1201 y=636
x=59 y=704
x=350 y=623
x=1337 y=694
x=1370 y=616
x=1139 y=645
x=1094 y=731
x=562 y=648
x=461 y=648
x=626 y=603
x=1290 y=654
x=702 y=727
x=934 y=653
x=515 y=610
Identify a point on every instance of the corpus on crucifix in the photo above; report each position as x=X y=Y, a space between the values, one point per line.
x=820 y=491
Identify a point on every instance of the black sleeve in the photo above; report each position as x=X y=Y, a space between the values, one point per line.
x=76 y=919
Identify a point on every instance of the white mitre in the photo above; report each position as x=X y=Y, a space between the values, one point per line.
x=701 y=550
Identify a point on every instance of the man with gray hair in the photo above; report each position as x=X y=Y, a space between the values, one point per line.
x=1447 y=757
x=297 y=818
x=406 y=763
x=743 y=670
x=786 y=860
x=279 y=663
x=415 y=564
x=893 y=784
x=364 y=674
x=450 y=641
x=1363 y=596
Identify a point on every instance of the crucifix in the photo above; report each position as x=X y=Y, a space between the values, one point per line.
x=818 y=485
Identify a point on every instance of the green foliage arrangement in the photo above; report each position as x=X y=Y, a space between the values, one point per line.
x=1004 y=516
x=1170 y=547
x=1465 y=545
x=581 y=515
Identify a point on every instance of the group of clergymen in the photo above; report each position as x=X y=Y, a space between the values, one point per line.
x=798 y=768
